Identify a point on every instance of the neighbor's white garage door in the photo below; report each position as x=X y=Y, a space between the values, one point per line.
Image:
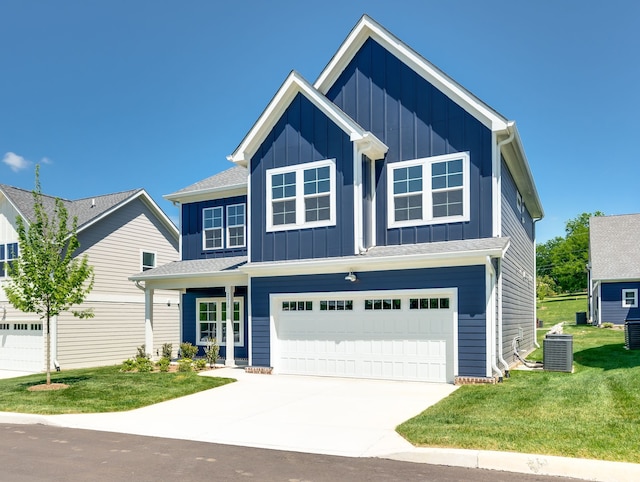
x=21 y=346
x=401 y=336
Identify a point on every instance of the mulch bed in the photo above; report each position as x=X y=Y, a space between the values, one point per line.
x=45 y=387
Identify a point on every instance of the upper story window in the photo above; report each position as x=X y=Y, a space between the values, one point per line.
x=235 y=226
x=8 y=252
x=212 y=228
x=431 y=190
x=630 y=298
x=148 y=260
x=301 y=196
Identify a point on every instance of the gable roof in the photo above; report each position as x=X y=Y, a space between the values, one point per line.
x=87 y=210
x=223 y=183
x=295 y=84
x=614 y=250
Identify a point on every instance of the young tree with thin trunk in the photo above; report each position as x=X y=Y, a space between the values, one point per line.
x=46 y=279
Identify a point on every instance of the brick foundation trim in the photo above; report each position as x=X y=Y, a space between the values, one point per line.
x=260 y=370
x=475 y=380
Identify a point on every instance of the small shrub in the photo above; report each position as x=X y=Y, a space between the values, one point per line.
x=211 y=351
x=144 y=364
x=142 y=352
x=188 y=350
x=163 y=364
x=185 y=365
x=607 y=325
x=200 y=364
x=129 y=365
x=167 y=350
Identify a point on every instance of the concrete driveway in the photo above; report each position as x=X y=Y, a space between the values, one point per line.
x=335 y=416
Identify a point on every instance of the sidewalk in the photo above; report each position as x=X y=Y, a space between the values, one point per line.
x=346 y=417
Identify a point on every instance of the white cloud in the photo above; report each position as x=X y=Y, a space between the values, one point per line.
x=15 y=162
x=46 y=160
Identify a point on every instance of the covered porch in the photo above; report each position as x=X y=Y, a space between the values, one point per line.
x=214 y=302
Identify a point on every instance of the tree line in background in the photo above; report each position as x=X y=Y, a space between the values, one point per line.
x=562 y=261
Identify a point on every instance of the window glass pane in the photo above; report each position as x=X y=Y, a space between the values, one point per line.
x=433 y=303
x=309 y=305
x=213 y=238
x=12 y=251
x=424 y=303
x=317 y=209
x=236 y=236
x=444 y=303
x=323 y=306
x=148 y=261
x=397 y=304
x=349 y=305
x=413 y=304
x=447 y=203
x=284 y=212
x=438 y=168
x=368 y=304
x=386 y=304
x=377 y=304
x=409 y=207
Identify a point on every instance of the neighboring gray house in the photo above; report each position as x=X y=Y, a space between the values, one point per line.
x=614 y=274
x=121 y=233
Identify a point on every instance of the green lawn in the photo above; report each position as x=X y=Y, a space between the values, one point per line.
x=555 y=309
x=591 y=413
x=103 y=389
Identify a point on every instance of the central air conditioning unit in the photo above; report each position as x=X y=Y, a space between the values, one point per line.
x=558 y=353
x=632 y=334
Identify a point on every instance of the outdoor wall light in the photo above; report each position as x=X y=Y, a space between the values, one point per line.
x=351 y=277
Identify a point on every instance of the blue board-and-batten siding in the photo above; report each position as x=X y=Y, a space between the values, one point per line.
x=611 y=302
x=415 y=120
x=517 y=271
x=190 y=317
x=303 y=134
x=191 y=230
x=470 y=281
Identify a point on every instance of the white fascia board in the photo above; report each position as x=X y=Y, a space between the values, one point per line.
x=368 y=28
x=195 y=280
x=293 y=85
x=617 y=280
x=364 y=263
x=521 y=172
x=207 y=194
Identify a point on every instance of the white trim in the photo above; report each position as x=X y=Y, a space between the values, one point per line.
x=427 y=199
x=208 y=194
x=221 y=228
x=155 y=259
x=367 y=28
x=228 y=226
x=298 y=170
x=219 y=321
x=634 y=292
x=249 y=323
x=293 y=85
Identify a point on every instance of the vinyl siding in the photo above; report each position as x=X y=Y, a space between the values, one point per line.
x=415 y=120
x=611 y=302
x=469 y=280
x=8 y=215
x=303 y=134
x=517 y=271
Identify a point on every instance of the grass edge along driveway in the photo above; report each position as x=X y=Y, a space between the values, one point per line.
x=592 y=413
x=98 y=390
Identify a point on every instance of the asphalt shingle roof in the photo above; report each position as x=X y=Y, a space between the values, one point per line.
x=234 y=176
x=86 y=209
x=614 y=247
x=193 y=267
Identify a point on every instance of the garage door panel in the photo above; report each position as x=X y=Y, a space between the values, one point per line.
x=393 y=344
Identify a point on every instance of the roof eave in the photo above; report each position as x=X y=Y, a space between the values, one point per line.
x=214 y=192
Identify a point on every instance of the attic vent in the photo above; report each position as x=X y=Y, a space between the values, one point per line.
x=558 y=353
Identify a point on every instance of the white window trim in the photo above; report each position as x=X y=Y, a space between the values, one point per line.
x=221 y=228
x=6 y=259
x=427 y=203
x=300 y=210
x=220 y=322
x=228 y=226
x=635 y=298
x=155 y=259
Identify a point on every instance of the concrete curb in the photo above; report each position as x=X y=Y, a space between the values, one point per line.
x=26 y=419
x=533 y=464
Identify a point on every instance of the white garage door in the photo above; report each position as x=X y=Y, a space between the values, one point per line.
x=21 y=346
x=386 y=335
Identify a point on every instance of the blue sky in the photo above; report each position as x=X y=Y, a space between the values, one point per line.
x=117 y=94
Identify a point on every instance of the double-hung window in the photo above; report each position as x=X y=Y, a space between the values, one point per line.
x=301 y=196
x=148 y=260
x=630 y=298
x=432 y=190
x=8 y=252
x=212 y=228
x=235 y=226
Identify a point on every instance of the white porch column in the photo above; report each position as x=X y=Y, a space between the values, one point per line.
x=230 y=358
x=148 y=321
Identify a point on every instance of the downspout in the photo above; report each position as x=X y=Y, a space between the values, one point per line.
x=535 y=273
x=358 y=200
x=492 y=304
x=503 y=362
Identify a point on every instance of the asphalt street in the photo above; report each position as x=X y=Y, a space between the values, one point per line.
x=46 y=453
